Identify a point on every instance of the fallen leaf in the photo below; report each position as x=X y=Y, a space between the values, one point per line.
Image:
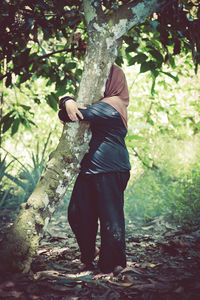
x=46 y=274
x=150 y=265
x=124 y=284
x=179 y=290
x=6 y=284
x=43 y=250
x=147 y=227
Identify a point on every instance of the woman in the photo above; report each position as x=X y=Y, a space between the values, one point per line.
x=99 y=188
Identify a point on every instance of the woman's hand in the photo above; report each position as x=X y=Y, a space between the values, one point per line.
x=72 y=110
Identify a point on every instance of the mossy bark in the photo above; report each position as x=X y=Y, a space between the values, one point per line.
x=22 y=239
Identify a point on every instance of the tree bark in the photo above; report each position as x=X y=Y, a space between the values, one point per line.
x=22 y=239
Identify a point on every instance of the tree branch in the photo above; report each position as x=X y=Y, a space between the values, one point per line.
x=28 y=63
x=134 y=13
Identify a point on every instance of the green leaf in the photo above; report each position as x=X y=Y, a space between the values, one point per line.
x=144 y=67
x=128 y=39
x=30 y=68
x=139 y=58
x=36 y=100
x=9 y=80
x=7 y=116
x=156 y=54
x=197 y=126
x=150 y=121
x=31 y=122
x=24 y=77
x=79 y=72
x=176 y=79
x=61 y=87
x=147 y=66
x=134 y=137
x=16 y=181
x=25 y=107
x=52 y=101
x=70 y=66
x=153 y=86
x=160 y=108
x=15 y=126
x=155 y=73
x=71 y=90
x=132 y=48
x=26 y=122
x=7 y=124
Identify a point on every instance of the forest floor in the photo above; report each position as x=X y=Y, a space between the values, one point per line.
x=163 y=262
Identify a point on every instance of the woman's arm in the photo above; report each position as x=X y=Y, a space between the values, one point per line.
x=100 y=112
x=63 y=100
x=72 y=108
x=81 y=113
x=64 y=117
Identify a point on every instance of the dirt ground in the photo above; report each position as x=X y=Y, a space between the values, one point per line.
x=163 y=262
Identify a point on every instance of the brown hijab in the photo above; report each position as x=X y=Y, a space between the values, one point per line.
x=116 y=93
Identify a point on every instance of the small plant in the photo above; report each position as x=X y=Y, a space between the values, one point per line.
x=4 y=194
x=156 y=193
x=28 y=175
x=184 y=199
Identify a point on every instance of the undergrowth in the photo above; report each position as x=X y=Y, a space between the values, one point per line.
x=155 y=193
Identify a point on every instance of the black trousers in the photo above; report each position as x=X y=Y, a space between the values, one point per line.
x=100 y=196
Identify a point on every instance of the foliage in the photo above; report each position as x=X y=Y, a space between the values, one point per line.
x=183 y=201
x=155 y=193
x=48 y=39
x=27 y=176
x=39 y=40
x=4 y=195
x=159 y=39
x=26 y=96
x=163 y=143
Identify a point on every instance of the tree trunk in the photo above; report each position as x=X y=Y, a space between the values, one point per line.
x=22 y=239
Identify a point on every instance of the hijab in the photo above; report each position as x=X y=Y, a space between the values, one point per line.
x=116 y=93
